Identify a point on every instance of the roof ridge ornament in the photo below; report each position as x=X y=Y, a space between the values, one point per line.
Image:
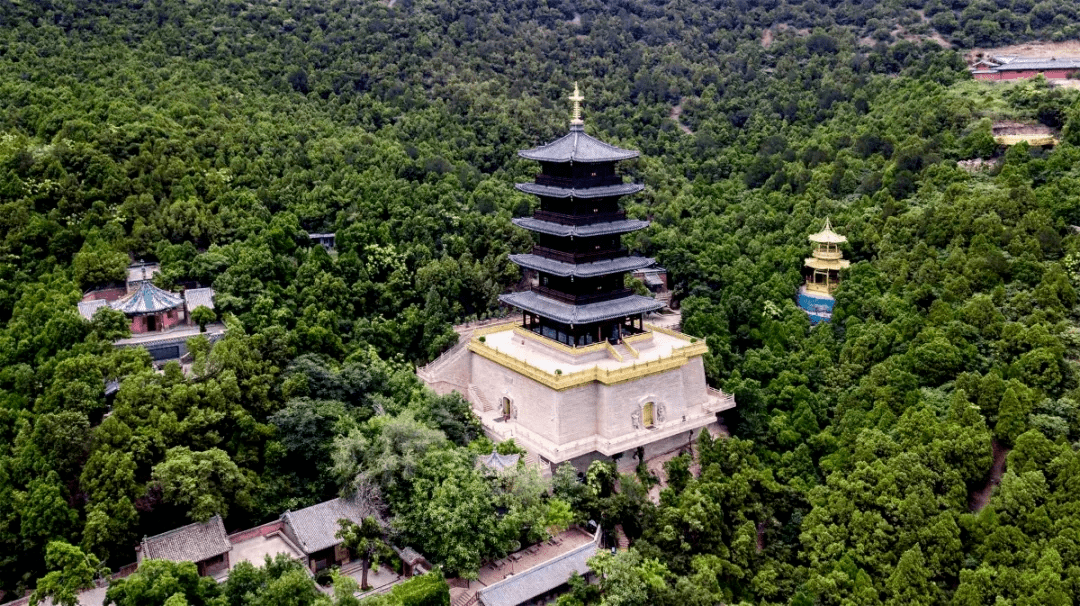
x=575 y=117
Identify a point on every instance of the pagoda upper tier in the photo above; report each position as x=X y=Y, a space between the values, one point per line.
x=579 y=297
x=577 y=146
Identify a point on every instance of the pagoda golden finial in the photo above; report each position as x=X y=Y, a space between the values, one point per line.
x=577 y=98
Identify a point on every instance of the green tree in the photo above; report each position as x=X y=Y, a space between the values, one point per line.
x=205 y=482
x=910 y=582
x=366 y=539
x=70 y=571
x=1012 y=415
x=157 y=581
x=202 y=316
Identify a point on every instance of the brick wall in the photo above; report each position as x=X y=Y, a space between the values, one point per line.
x=258 y=531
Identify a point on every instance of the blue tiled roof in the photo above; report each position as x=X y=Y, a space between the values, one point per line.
x=147 y=299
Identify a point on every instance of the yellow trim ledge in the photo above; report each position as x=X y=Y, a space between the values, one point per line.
x=574 y=351
x=678 y=358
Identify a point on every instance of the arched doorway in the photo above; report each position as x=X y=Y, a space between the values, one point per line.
x=506 y=407
x=648 y=414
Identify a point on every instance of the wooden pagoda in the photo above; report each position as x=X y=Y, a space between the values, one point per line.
x=581 y=377
x=826 y=260
x=579 y=297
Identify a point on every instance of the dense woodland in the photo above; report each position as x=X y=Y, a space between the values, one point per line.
x=213 y=136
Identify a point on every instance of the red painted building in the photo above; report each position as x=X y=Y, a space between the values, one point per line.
x=1015 y=68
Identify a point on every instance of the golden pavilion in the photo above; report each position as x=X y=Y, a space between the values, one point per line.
x=825 y=261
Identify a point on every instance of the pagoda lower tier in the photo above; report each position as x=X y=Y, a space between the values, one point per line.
x=582 y=324
x=582 y=404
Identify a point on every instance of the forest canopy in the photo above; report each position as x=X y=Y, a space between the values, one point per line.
x=213 y=137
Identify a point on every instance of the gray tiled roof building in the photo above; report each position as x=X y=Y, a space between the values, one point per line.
x=199 y=297
x=313 y=528
x=196 y=542
x=538 y=580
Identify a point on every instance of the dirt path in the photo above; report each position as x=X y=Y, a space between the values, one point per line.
x=676 y=113
x=981 y=497
x=1069 y=48
x=656 y=464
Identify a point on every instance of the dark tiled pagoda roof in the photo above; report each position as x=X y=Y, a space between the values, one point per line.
x=580 y=231
x=580 y=314
x=577 y=147
x=147 y=299
x=581 y=270
x=191 y=543
x=605 y=191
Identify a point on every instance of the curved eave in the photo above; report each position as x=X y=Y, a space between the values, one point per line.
x=607 y=191
x=836 y=264
x=827 y=237
x=581 y=270
x=580 y=231
x=577 y=147
x=147 y=299
x=580 y=314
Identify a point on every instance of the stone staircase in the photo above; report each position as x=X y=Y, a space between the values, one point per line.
x=478 y=399
x=621 y=539
x=448 y=357
x=463 y=597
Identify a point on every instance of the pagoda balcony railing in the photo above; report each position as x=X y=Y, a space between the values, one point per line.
x=573 y=299
x=578 y=257
x=586 y=219
x=578 y=182
x=821 y=287
x=828 y=254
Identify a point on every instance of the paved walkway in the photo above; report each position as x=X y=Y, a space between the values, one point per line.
x=521 y=561
x=181 y=332
x=377 y=576
x=257 y=549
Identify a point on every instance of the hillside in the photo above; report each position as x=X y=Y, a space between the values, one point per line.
x=213 y=137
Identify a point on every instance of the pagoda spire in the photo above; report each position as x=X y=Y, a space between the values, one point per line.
x=575 y=116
